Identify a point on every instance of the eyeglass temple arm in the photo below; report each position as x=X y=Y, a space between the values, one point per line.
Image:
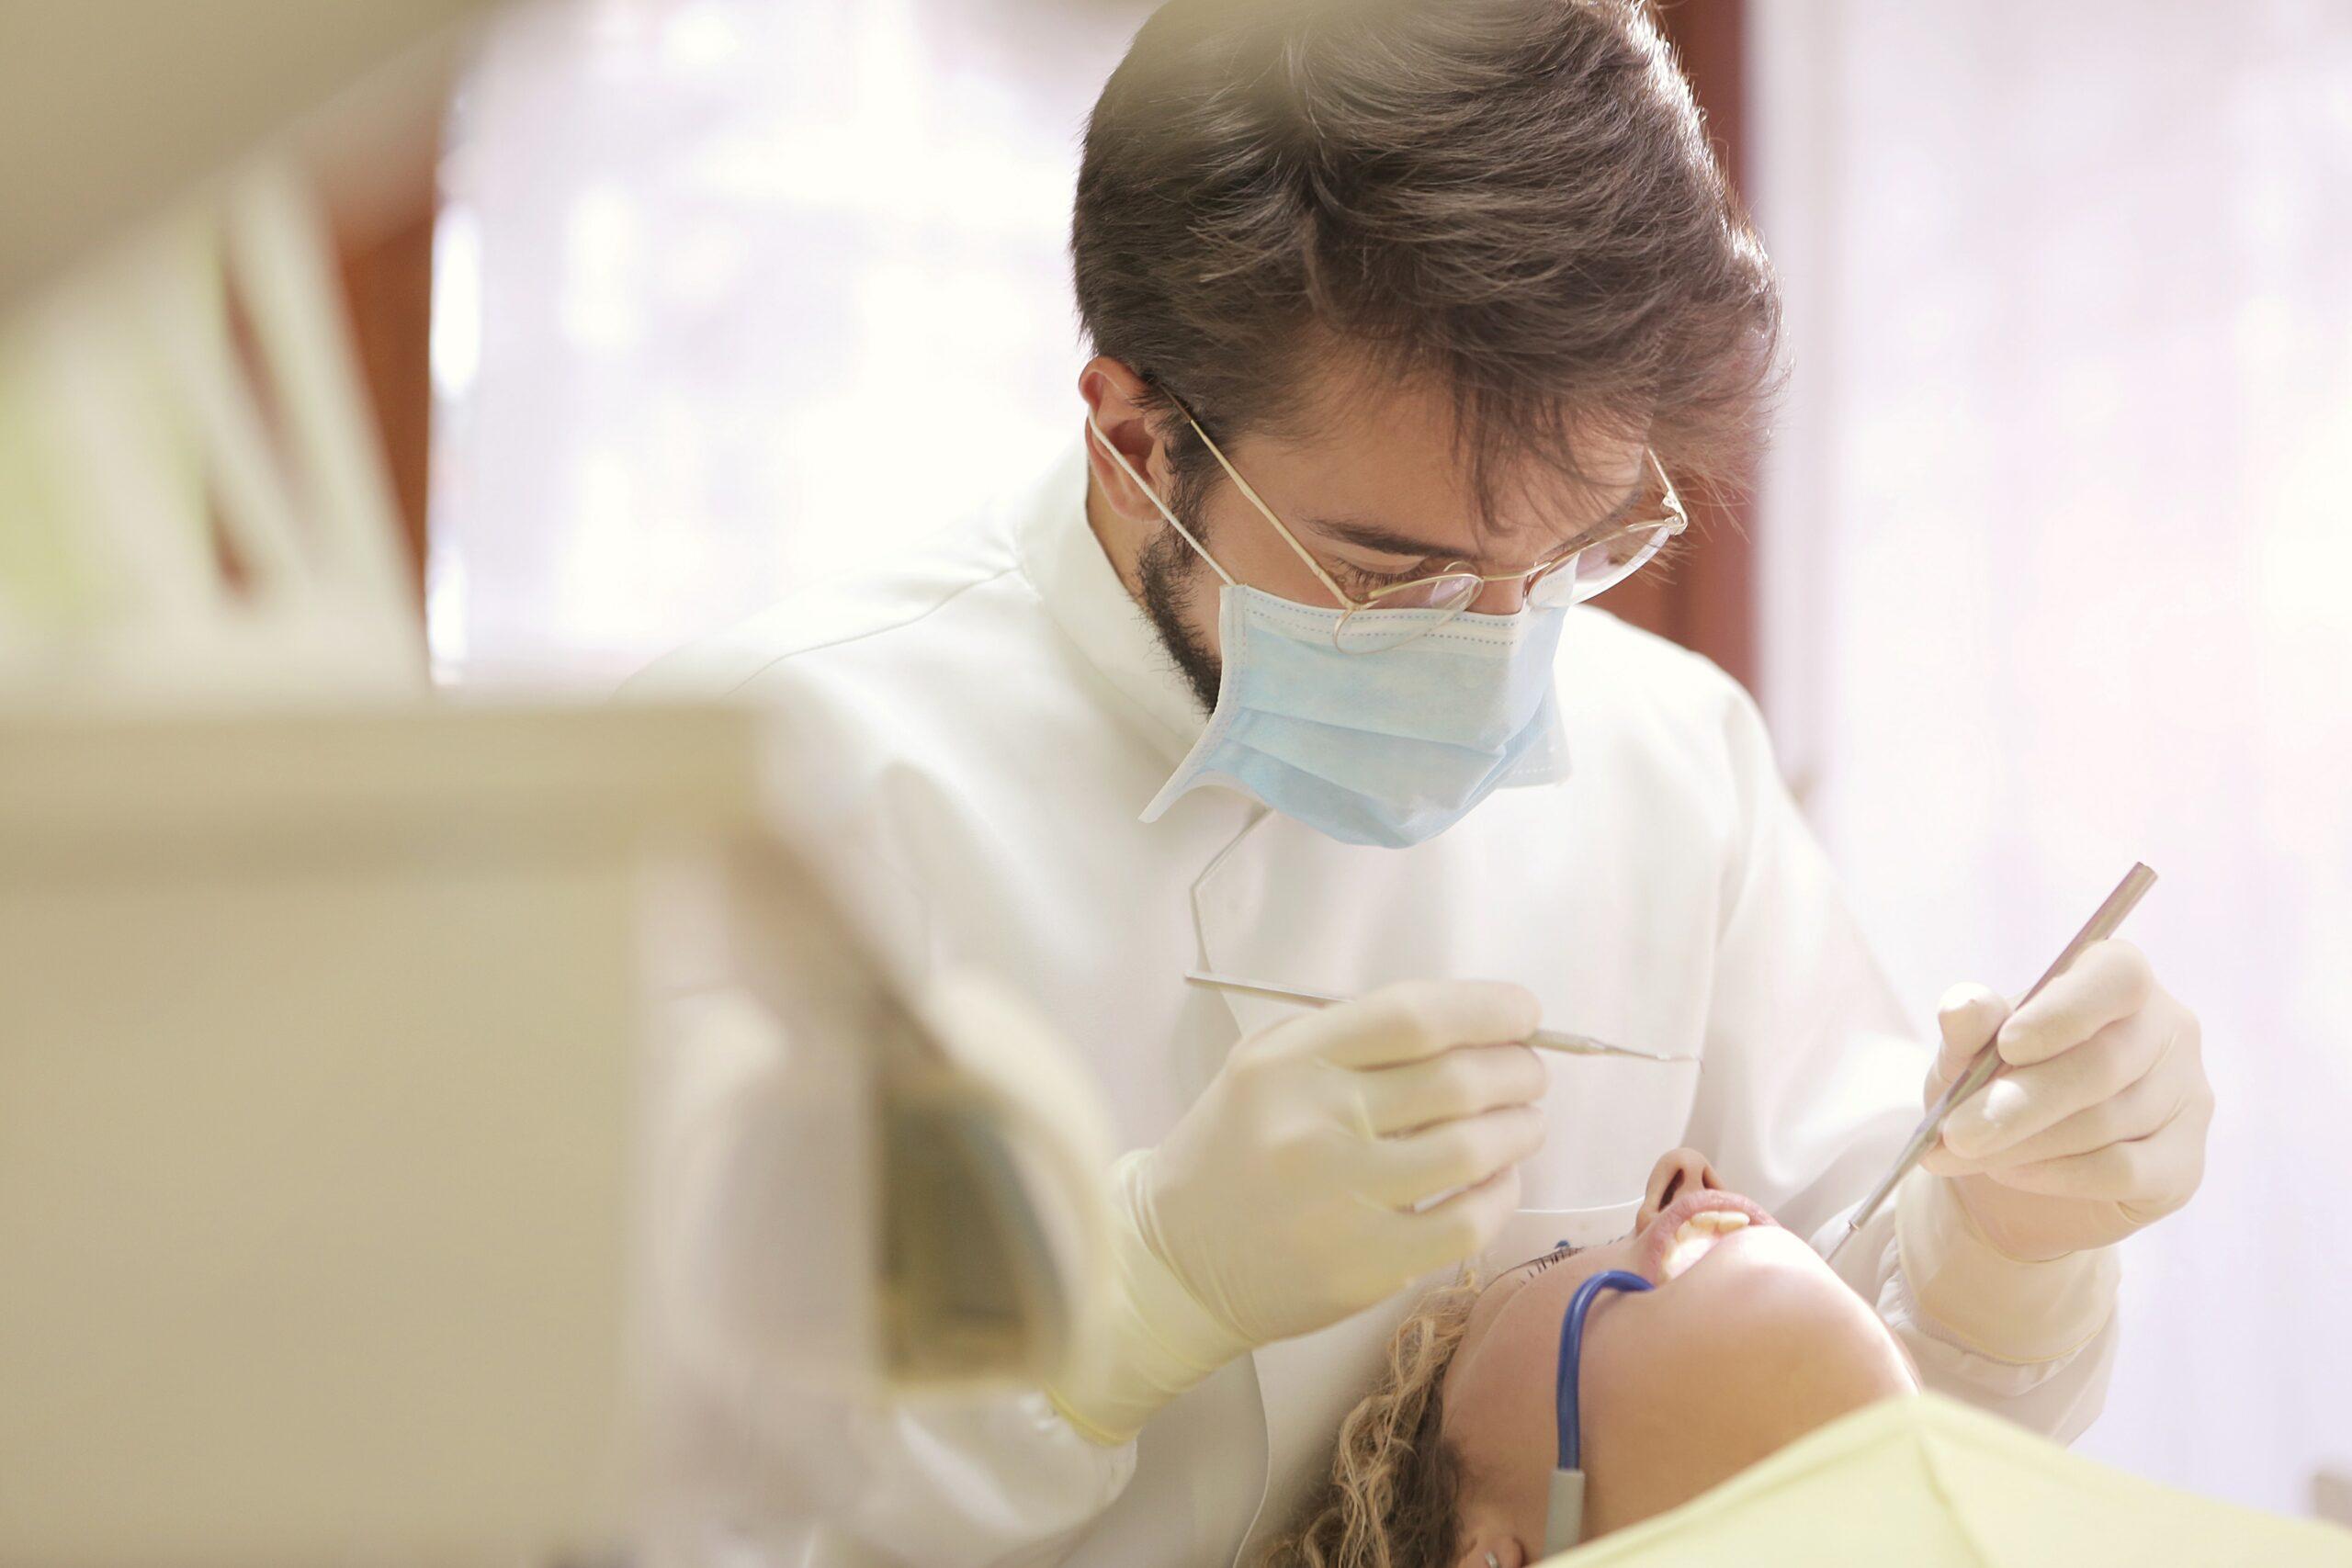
x=1267 y=512
x=1679 y=516
x=1153 y=496
x=1673 y=496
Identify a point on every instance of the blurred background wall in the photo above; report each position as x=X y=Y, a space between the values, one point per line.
x=738 y=293
x=2057 y=573
x=2046 y=571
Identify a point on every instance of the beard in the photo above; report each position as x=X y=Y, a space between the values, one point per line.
x=1171 y=573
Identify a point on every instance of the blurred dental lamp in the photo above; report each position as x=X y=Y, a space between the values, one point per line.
x=349 y=1120
x=194 y=497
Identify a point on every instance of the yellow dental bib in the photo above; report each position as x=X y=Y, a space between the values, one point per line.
x=1925 y=1481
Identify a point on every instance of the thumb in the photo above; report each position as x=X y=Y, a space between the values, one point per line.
x=1968 y=1016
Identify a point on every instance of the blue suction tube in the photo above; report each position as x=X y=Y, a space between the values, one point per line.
x=1572 y=1356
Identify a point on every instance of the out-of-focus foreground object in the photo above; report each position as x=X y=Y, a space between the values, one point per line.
x=366 y=1176
x=194 y=495
x=110 y=110
x=353 y=1208
x=1928 y=1480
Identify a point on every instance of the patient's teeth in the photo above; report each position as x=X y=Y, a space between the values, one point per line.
x=1697 y=1234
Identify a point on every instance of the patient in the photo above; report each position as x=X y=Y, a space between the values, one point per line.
x=1746 y=1343
x=1746 y=1358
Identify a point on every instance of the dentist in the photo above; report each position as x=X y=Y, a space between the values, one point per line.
x=1407 y=321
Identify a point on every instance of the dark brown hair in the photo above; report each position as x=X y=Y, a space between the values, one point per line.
x=1511 y=200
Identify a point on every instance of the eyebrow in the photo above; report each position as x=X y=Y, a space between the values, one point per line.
x=1373 y=536
x=1388 y=541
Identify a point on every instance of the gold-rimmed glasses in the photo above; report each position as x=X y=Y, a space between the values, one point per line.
x=1401 y=613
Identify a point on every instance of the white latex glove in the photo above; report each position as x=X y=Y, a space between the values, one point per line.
x=2097 y=1125
x=1290 y=1194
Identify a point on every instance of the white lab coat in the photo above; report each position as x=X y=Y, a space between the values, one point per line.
x=981 y=727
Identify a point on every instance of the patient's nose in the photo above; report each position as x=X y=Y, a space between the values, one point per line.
x=1677 y=1172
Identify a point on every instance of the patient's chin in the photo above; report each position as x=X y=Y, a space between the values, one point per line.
x=1761 y=1304
x=1756 y=1344
x=1770 y=1248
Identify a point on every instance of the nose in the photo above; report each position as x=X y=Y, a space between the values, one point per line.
x=1505 y=598
x=1677 y=1171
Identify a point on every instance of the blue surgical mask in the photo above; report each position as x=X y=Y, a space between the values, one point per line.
x=1564 y=1516
x=1389 y=747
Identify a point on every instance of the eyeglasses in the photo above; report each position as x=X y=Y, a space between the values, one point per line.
x=1403 y=612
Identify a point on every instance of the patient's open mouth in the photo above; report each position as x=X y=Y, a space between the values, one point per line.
x=1692 y=1226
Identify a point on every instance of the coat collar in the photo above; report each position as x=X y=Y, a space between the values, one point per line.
x=1062 y=558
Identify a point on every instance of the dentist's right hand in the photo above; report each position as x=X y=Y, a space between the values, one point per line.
x=1290 y=1195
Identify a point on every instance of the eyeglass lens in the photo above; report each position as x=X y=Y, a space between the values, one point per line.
x=1414 y=611
x=1598 y=567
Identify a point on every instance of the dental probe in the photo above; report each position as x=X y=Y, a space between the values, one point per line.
x=1542 y=1039
x=1979 y=1072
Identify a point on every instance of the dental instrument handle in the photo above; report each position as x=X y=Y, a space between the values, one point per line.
x=1542 y=1039
x=1987 y=1062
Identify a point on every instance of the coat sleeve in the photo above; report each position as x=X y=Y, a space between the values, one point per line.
x=1813 y=1083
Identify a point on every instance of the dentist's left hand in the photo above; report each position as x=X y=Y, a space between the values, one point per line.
x=1335 y=1158
x=2096 y=1125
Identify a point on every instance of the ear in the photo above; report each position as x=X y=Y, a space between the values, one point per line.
x=1114 y=403
x=1492 y=1549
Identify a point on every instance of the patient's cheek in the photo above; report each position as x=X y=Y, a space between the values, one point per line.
x=1657 y=1428
x=1687 y=1386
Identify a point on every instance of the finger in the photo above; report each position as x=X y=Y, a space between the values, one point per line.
x=1464 y=1081
x=1407 y=1171
x=2023 y=1102
x=1966 y=1018
x=2139 y=1111
x=1941 y=1161
x=2155 y=1173
x=1415 y=1020
x=2110 y=980
x=1463 y=1227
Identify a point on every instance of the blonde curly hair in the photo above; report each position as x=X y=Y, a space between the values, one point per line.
x=1391 y=1498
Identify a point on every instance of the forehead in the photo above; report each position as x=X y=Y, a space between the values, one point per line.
x=1373 y=449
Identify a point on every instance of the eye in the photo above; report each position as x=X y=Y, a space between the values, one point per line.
x=1365 y=579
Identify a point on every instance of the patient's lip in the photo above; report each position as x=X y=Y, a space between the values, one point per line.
x=1657 y=1237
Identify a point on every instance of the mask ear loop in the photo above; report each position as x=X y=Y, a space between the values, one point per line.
x=1128 y=468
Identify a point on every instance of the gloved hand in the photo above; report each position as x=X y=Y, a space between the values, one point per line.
x=1289 y=1196
x=2097 y=1125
